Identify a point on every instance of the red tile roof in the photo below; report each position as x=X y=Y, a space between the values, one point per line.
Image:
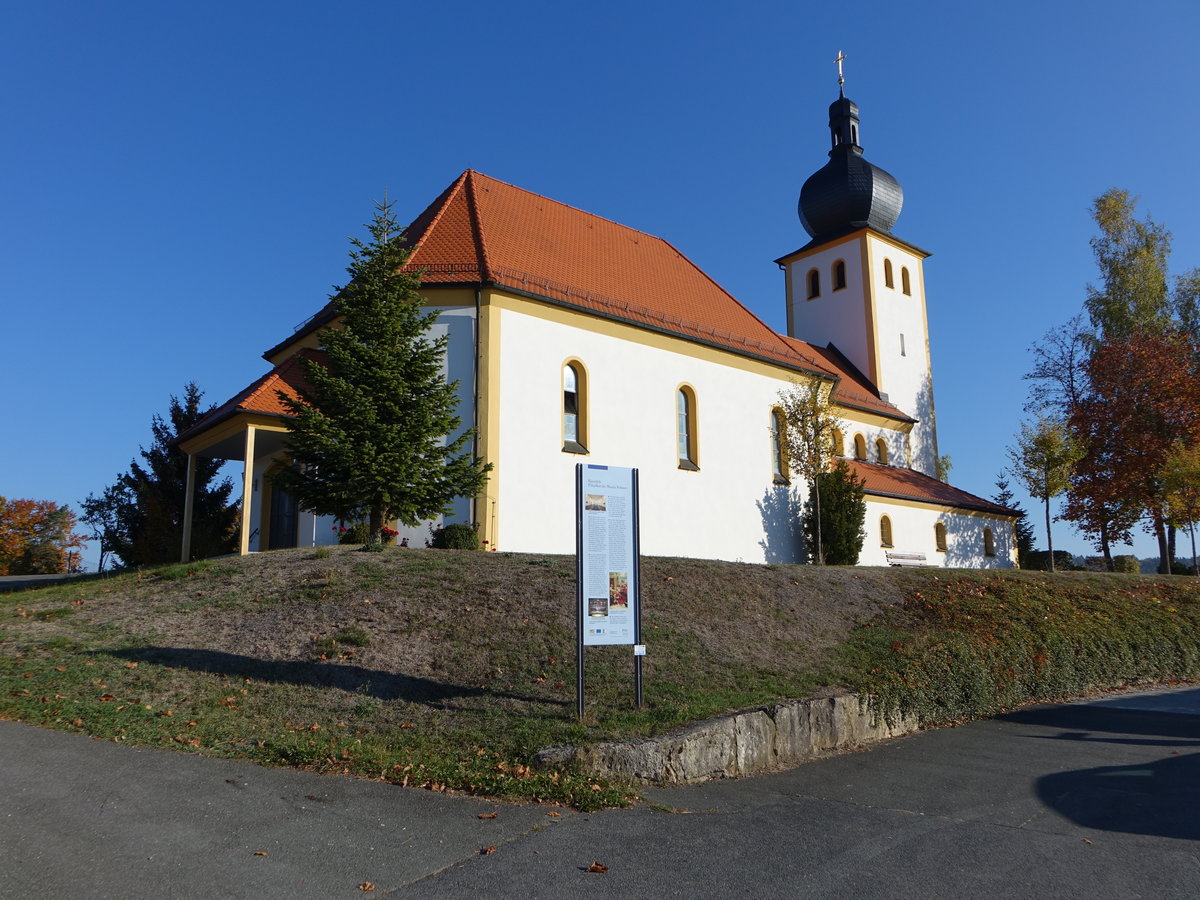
x=262 y=397
x=484 y=231
x=906 y=484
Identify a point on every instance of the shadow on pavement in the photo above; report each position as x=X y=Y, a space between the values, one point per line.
x=372 y=682
x=1159 y=798
x=1098 y=717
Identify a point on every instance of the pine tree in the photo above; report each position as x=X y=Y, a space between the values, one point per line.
x=371 y=435
x=842 y=514
x=140 y=517
x=1021 y=528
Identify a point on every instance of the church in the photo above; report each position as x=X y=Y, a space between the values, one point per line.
x=573 y=338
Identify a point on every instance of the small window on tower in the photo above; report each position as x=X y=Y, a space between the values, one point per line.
x=888 y=279
x=902 y=353
x=881 y=451
x=839 y=444
x=839 y=275
x=939 y=536
x=814 y=284
x=989 y=543
x=905 y=284
x=885 y=531
x=860 y=447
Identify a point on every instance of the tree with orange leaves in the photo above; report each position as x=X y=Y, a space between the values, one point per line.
x=1143 y=402
x=37 y=537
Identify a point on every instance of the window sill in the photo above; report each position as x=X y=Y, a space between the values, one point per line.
x=688 y=466
x=574 y=447
x=888 y=546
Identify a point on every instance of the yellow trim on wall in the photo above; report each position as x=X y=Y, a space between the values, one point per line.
x=247 y=492
x=937 y=507
x=488 y=416
x=871 y=315
x=229 y=428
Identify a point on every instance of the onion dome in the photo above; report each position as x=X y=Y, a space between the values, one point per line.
x=848 y=192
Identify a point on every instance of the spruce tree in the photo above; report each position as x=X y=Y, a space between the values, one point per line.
x=371 y=434
x=842 y=514
x=140 y=517
x=1022 y=529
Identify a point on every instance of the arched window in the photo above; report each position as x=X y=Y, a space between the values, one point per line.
x=778 y=458
x=839 y=275
x=881 y=451
x=989 y=543
x=574 y=408
x=814 y=284
x=885 y=531
x=905 y=284
x=685 y=427
x=888 y=279
x=860 y=447
x=939 y=536
x=839 y=442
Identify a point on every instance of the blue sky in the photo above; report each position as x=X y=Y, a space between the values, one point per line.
x=180 y=180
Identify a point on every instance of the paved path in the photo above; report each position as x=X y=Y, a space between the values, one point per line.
x=1084 y=800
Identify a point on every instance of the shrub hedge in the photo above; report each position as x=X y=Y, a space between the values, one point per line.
x=974 y=646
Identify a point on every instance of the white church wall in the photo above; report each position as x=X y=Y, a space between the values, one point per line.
x=729 y=509
x=836 y=316
x=914 y=530
x=903 y=343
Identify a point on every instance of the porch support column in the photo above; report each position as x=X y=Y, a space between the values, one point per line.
x=248 y=491
x=188 y=503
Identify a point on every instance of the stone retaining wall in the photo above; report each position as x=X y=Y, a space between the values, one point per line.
x=741 y=743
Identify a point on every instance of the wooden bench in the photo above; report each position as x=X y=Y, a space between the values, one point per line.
x=895 y=558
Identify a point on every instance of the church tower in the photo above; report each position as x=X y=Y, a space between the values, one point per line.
x=857 y=286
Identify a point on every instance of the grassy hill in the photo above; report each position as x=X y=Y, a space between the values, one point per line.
x=450 y=669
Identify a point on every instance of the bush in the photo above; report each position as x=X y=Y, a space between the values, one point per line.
x=457 y=536
x=354 y=534
x=1127 y=563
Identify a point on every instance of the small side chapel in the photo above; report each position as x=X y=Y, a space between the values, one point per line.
x=574 y=338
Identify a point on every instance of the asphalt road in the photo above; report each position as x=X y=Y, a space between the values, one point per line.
x=1093 y=800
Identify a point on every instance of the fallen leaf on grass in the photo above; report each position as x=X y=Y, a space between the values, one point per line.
x=131 y=665
x=104 y=698
x=554 y=815
x=596 y=867
x=260 y=852
x=487 y=815
x=366 y=886
x=488 y=851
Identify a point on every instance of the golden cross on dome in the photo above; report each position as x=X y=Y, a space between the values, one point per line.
x=840 y=59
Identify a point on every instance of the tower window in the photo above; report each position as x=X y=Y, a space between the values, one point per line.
x=902 y=353
x=939 y=536
x=885 y=531
x=685 y=427
x=839 y=275
x=905 y=284
x=881 y=451
x=814 y=283
x=839 y=443
x=860 y=447
x=888 y=279
x=574 y=413
x=989 y=543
